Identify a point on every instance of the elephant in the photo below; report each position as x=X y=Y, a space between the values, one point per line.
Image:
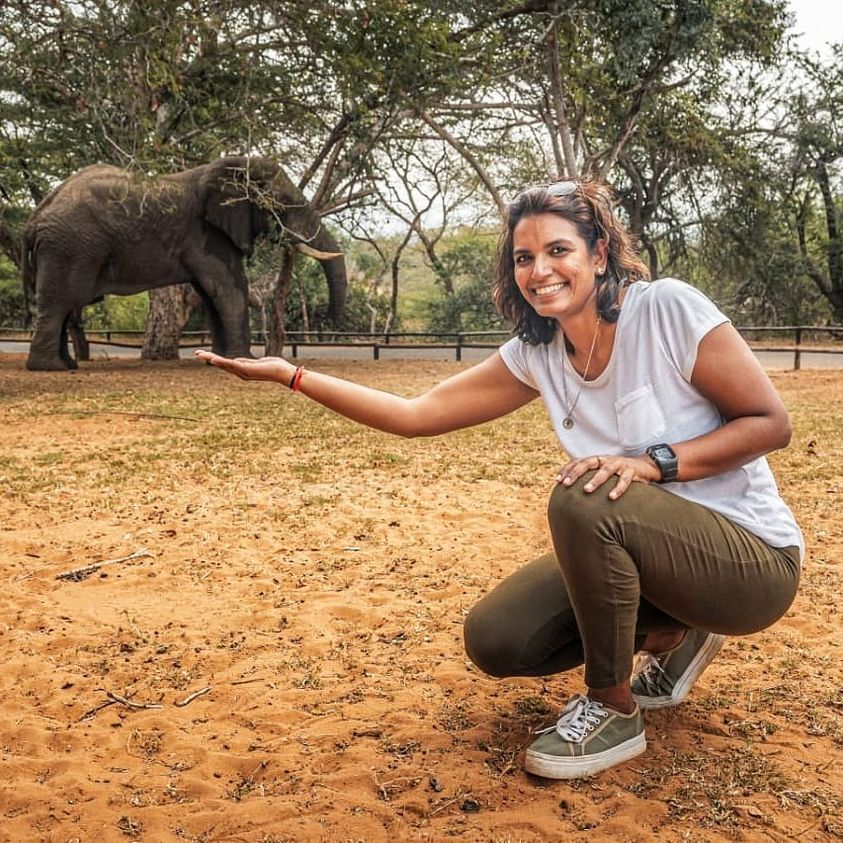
x=107 y=231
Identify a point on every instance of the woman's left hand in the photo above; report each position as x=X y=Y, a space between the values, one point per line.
x=628 y=470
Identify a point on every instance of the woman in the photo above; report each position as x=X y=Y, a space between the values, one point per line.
x=668 y=529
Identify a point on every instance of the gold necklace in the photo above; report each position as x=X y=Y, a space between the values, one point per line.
x=568 y=421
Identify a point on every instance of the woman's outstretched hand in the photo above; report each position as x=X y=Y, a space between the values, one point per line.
x=248 y=369
x=628 y=470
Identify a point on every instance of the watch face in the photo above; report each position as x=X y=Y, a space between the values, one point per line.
x=662 y=453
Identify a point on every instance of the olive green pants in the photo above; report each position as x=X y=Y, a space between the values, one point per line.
x=647 y=562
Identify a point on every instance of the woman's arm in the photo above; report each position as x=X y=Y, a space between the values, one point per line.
x=729 y=375
x=479 y=394
x=756 y=420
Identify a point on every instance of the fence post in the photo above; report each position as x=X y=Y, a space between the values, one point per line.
x=376 y=351
x=458 y=349
x=797 y=353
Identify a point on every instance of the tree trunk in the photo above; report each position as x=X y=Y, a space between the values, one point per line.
x=562 y=126
x=305 y=317
x=169 y=309
x=278 y=305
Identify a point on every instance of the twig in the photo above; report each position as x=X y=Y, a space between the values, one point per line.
x=118 y=413
x=247 y=681
x=114 y=699
x=810 y=827
x=130 y=703
x=460 y=794
x=92 y=712
x=79 y=574
x=191 y=697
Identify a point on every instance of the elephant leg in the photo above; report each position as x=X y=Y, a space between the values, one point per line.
x=76 y=332
x=59 y=291
x=212 y=320
x=64 y=344
x=227 y=304
x=48 y=342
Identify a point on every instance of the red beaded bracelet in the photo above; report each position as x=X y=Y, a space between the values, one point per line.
x=295 y=381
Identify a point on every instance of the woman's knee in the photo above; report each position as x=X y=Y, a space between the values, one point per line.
x=572 y=510
x=487 y=648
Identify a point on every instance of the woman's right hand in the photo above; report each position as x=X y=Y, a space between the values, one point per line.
x=248 y=369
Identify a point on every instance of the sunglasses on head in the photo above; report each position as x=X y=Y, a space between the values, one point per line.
x=563 y=188
x=559 y=188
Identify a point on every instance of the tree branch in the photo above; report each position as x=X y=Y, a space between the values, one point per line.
x=466 y=155
x=561 y=124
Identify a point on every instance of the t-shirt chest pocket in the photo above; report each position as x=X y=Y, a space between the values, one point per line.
x=640 y=418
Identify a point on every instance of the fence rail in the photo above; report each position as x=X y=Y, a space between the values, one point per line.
x=457 y=341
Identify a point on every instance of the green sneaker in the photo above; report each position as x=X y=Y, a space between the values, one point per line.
x=666 y=679
x=586 y=739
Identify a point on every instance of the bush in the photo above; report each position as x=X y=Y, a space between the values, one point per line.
x=469 y=309
x=470 y=263
x=12 y=311
x=118 y=313
x=309 y=294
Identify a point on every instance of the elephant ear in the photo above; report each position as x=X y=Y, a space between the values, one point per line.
x=227 y=204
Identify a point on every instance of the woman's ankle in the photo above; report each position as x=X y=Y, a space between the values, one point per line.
x=662 y=642
x=619 y=698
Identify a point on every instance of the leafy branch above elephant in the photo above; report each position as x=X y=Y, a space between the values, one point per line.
x=106 y=231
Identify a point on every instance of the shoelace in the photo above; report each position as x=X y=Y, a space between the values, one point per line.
x=579 y=717
x=650 y=671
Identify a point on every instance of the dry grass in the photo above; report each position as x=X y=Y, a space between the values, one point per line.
x=315 y=574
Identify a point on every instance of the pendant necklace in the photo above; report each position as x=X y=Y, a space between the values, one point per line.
x=568 y=421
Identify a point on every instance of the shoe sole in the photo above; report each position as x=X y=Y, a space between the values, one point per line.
x=704 y=657
x=556 y=767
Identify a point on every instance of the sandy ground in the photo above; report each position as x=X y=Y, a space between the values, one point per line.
x=282 y=658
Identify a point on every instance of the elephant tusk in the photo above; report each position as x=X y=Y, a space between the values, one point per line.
x=315 y=253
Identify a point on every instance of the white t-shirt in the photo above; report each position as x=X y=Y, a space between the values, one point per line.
x=644 y=396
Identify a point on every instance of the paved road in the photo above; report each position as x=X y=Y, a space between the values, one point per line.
x=101 y=351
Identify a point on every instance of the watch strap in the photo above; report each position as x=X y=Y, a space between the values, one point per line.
x=665 y=458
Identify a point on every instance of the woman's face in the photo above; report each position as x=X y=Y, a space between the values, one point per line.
x=554 y=268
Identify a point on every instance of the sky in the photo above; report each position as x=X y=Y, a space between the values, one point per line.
x=818 y=21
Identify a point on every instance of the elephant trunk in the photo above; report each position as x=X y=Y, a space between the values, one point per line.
x=304 y=225
x=335 y=273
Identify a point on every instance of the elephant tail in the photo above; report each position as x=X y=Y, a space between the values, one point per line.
x=28 y=271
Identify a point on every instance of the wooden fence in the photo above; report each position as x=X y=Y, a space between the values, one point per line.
x=458 y=341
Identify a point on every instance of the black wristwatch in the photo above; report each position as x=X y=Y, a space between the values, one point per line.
x=665 y=458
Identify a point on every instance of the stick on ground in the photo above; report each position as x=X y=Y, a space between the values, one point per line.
x=79 y=574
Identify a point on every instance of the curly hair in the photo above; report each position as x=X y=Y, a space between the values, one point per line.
x=590 y=206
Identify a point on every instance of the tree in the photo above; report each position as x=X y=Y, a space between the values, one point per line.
x=621 y=90
x=770 y=246
x=359 y=100
x=469 y=259
x=817 y=154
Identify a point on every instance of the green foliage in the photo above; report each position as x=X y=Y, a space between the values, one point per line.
x=470 y=308
x=349 y=96
x=116 y=313
x=12 y=313
x=307 y=303
x=469 y=259
x=358 y=315
x=8 y=271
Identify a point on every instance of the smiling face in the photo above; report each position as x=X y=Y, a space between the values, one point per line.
x=554 y=268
